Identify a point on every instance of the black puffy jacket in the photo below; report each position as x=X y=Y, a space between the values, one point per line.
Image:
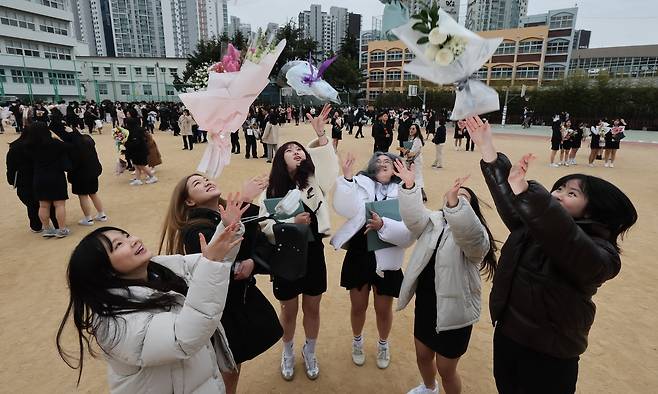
x=549 y=268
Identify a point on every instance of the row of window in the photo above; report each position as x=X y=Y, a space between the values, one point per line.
x=390 y=55
x=391 y=75
x=553 y=47
x=124 y=89
x=614 y=61
x=561 y=21
x=28 y=48
x=529 y=71
x=123 y=70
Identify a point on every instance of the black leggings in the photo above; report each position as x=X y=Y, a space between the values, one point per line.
x=521 y=370
x=188 y=139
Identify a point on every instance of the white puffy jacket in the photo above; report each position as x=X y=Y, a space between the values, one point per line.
x=350 y=202
x=160 y=351
x=463 y=246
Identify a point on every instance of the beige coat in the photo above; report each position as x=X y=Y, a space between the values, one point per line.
x=271 y=134
x=186 y=123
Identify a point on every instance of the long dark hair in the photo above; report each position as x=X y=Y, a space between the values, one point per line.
x=606 y=204
x=99 y=296
x=39 y=134
x=489 y=263
x=418 y=133
x=280 y=181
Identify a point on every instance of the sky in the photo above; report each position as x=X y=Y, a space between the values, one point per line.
x=612 y=22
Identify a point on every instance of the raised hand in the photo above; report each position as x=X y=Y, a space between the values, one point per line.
x=303 y=218
x=319 y=121
x=518 y=173
x=452 y=195
x=407 y=175
x=233 y=211
x=244 y=270
x=347 y=165
x=218 y=248
x=481 y=134
x=374 y=223
x=254 y=187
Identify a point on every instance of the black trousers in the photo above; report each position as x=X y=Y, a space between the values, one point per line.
x=32 y=205
x=250 y=148
x=235 y=142
x=521 y=370
x=359 y=131
x=188 y=139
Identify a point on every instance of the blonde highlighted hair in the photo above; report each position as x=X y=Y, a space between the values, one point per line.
x=177 y=218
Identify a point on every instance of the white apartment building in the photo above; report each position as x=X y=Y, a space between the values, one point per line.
x=482 y=15
x=327 y=29
x=37 y=50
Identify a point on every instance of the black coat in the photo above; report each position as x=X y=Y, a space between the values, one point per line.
x=84 y=158
x=20 y=166
x=249 y=320
x=403 y=129
x=440 y=135
x=549 y=268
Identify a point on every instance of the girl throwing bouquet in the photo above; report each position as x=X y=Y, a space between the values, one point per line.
x=454 y=247
x=152 y=317
x=249 y=320
x=562 y=247
x=363 y=268
x=293 y=167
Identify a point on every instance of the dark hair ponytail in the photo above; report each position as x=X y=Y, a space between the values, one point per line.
x=489 y=263
x=98 y=295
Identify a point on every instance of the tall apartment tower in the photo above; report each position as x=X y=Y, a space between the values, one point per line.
x=484 y=15
x=217 y=18
x=449 y=6
x=339 y=19
x=328 y=29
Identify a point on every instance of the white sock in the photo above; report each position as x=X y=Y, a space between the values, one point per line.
x=383 y=343
x=358 y=340
x=287 y=348
x=310 y=346
x=88 y=218
x=101 y=214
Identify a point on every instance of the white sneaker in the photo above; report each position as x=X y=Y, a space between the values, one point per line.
x=86 y=222
x=573 y=162
x=383 y=356
x=590 y=165
x=358 y=356
x=310 y=364
x=101 y=218
x=136 y=182
x=287 y=367
x=151 y=179
x=612 y=165
x=606 y=164
x=554 y=165
x=422 y=389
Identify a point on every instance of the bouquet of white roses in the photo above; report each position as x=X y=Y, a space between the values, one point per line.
x=448 y=53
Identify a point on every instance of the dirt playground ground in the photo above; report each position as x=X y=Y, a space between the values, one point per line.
x=623 y=348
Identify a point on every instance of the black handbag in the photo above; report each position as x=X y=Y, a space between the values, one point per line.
x=287 y=258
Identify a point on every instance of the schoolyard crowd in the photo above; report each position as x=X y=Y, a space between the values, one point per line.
x=186 y=320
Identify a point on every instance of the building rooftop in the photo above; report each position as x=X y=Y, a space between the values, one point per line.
x=625 y=51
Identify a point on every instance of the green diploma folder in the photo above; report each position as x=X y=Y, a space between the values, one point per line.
x=385 y=209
